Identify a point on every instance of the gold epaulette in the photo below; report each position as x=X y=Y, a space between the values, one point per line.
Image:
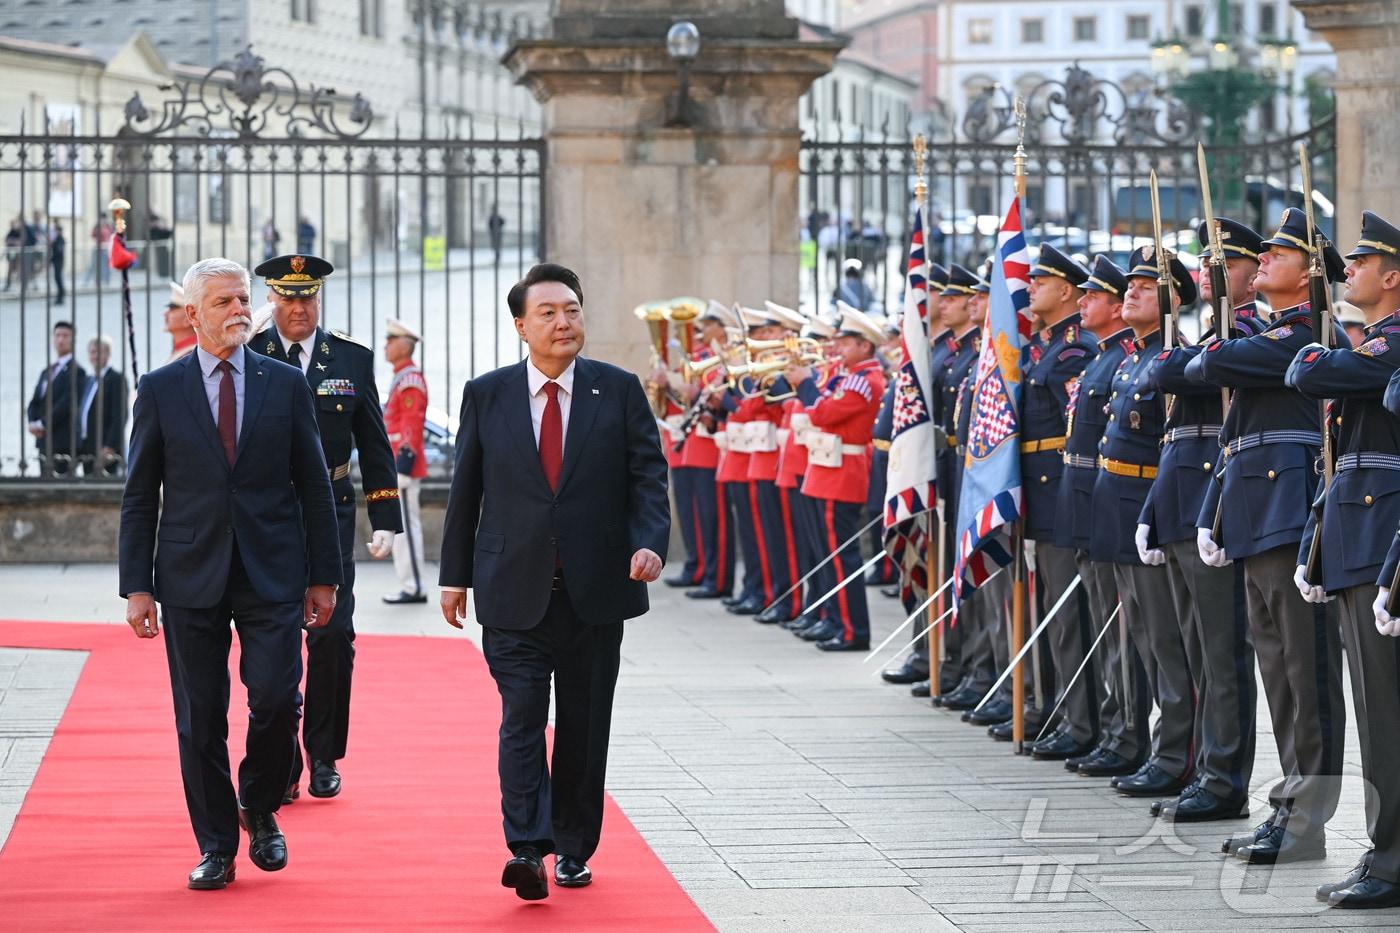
x=348 y=339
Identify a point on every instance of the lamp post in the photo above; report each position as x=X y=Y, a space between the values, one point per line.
x=1279 y=57
x=682 y=44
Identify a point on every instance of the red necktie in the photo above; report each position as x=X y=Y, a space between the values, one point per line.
x=228 y=412
x=552 y=436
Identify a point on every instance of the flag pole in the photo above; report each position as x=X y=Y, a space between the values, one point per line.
x=1018 y=559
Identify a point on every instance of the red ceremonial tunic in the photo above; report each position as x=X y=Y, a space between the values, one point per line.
x=848 y=410
x=404 y=411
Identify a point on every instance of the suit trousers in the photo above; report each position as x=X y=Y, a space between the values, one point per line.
x=556 y=807
x=408 y=547
x=1300 y=662
x=197 y=643
x=1126 y=705
x=330 y=658
x=683 y=483
x=1374 y=662
x=1069 y=637
x=1221 y=655
x=1152 y=624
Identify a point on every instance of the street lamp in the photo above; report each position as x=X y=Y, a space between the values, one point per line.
x=682 y=44
x=1279 y=57
x=1170 y=58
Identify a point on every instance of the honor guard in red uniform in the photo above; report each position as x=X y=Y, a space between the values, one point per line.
x=404 y=411
x=838 y=468
x=700 y=455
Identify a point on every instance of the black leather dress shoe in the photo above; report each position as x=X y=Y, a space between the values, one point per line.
x=1073 y=762
x=570 y=872
x=525 y=873
x=996 y=711
x=825 y=630
x=267 y=847
x=1324 y=891
x=292 y=792
x=798 y=622
x=1059 y=748
x=963 y=698
x=1187 y=791
x=1370 y=893
x=403 y=599
x=1109 y=764
x=1152 y=782
x=1280 y=847
x=325 y=779
x=920 y=689
x=1002 y=731
x=705 y=592
x=1234 y=843
x=1135 y=773
x=727 y=601
x=840 y=643
x=747 y=607
x=890 y=592
x=909 y=672
x=213 y=872
x=1204 y=806
x=679 y=582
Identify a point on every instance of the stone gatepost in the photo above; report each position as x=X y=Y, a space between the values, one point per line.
x=643 y=210
x=1365 y=35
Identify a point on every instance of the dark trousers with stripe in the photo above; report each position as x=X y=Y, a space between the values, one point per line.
x=885 y=572
x=739 y=500
x=779 y=543
x=715 y=552
x=683 y=487
x=1300 y=662
x=812 y=539
x=840 y=521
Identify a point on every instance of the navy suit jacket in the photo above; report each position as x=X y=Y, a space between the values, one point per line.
x=504 y=525
x=184 y=507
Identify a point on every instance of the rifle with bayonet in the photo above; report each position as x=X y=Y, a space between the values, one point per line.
x=1223 y=301
x=1320 y=304
x=1167 y=317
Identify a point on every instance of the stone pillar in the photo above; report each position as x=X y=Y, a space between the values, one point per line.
x=643 y=211
x=1365 y=35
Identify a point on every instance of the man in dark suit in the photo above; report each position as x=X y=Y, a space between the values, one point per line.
x=103 y=412
x=558 y=517
x=340 y=371
x=50 y=411
x=226 y=472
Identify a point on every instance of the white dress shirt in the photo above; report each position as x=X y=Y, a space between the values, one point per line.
x=538 y=399
x=213 y=381
x=307 y=346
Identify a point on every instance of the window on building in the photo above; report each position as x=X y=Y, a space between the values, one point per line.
x=304 y=11
x=1032 y=30
x=1086 y=29
x=1139 y=27
x=1236 y=24
x=372 y=18
x=1268 y=19
x=979 y=32
x=835 y=99
x=1195 y=21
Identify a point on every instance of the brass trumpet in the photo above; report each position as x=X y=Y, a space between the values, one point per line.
x=692 y=371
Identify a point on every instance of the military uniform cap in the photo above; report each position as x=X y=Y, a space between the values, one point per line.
x=786 y=316
x=984 y=277
x=393 y=327
x=754 y=317
x=1104 y=276
x=296 y=275
x=1053 y=262
x=177 y=295
x=1348 y=313
x=1378 y=237
x=937 y=278
x=1142 y=264
x=819 y=328
x=1292 y=233
x=856 y=323
x=960 y=282
x=721 y=313
x=1236 y=239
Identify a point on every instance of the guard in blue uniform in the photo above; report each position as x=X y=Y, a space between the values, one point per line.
x=965 y=639
x=341 y=373
x=1128 y=461
x=1118 y=679
x=1218 y=645
x=1051 y=363
x=1358 y=518
x=1271 y=442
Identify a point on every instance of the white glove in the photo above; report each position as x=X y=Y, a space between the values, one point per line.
x=1211 y=554
x=1313 y=594
x=380 y=544
x=1151 y=556
x=1029 y=550
x=1386 y=624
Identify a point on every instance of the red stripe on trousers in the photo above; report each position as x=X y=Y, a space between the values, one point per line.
x=840 y=562
x=721 y=540
x=763 y=567
x=793 y=574
x=699 y=540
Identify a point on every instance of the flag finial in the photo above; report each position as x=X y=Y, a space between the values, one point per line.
x=1020 y=157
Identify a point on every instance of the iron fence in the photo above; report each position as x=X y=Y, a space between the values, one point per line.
x=246 y=165
x=1091 y=146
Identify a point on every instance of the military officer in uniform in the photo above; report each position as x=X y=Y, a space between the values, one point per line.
x=1118 y=680
x=1219 y=649
x=1358 y=518
x=404 y=413
x=1271 y=442
x=1128 y=458
x=341 y=374
x=1051 y=362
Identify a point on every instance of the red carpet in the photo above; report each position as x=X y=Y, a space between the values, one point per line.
x=103 y=841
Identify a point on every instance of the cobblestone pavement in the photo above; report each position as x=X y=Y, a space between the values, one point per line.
x=790 y=789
